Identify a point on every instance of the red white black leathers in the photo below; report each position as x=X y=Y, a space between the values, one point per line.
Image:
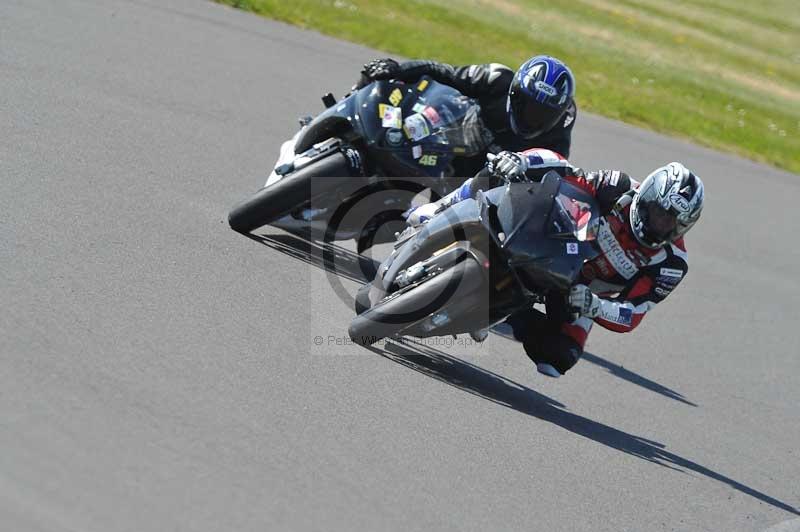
x=629 y=278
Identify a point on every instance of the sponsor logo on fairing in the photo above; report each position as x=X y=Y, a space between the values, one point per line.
x=396 y=97
x=394 y=137
x=392 y=117
x=433 y=116
x=416 y=127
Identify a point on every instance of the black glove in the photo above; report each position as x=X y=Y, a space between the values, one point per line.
x=381 y=69
x=377 y=69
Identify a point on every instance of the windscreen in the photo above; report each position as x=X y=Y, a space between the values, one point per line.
x=454 y=120
x=421 y=126
x=546 y=228
x=572 y=216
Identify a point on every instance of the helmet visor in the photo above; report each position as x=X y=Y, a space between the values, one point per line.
x=529 y=116
x=660 y=224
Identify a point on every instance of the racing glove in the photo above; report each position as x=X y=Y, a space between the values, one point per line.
x=507 y=165
x=583 y=301
x=377 y=69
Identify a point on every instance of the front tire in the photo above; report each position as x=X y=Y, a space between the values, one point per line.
x=291 y=192
x=398 y=312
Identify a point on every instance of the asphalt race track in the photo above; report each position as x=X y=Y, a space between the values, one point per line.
x=160 y=372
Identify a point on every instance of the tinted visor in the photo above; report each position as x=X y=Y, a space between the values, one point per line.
x=531 y=117
x=660 y=225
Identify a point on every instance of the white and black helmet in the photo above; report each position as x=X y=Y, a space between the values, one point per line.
x=666 y=205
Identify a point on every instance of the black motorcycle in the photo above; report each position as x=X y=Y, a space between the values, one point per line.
x=476 y=263
x=359 y=163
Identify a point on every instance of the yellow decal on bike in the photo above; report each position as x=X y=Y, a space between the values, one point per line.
x=396 y=97
x=381 y=110
x=428 y=160
x=422 y=85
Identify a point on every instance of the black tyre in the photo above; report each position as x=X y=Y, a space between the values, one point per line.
x=399 y=311
x=290 y=193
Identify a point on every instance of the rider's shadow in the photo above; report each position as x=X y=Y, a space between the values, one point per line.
x=502 y=391
x=360 y=269
x=504 y=331
x=349 y=265
x=496 y=388
x=635 y=378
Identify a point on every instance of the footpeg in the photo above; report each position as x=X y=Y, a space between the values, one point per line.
x=284 y=169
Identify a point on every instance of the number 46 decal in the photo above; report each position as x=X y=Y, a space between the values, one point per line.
x=428 y=160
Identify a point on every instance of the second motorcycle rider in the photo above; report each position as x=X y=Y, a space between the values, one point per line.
x=533 y=107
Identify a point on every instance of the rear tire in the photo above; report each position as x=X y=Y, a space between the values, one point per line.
x=290 y=193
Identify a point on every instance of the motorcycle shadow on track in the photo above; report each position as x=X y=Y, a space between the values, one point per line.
x=324 y=255
x=496 y=388
x=358 y=268
x=477 y=381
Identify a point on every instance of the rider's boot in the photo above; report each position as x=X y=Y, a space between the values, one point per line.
x=547 y=369
x=480 y=335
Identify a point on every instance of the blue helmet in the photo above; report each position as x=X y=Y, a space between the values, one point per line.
x=541 y=92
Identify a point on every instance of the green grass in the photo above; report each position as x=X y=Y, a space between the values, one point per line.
x=723 y=73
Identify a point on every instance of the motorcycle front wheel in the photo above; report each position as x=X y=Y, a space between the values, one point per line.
x=290 y=193
x=406 y=308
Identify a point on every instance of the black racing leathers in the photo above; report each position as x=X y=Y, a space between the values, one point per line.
x=489 y=84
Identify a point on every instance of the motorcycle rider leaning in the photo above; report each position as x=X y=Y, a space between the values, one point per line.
x=532 y=107
x=642 y=256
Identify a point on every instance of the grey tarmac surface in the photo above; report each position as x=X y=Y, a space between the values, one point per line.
x=159 y=371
